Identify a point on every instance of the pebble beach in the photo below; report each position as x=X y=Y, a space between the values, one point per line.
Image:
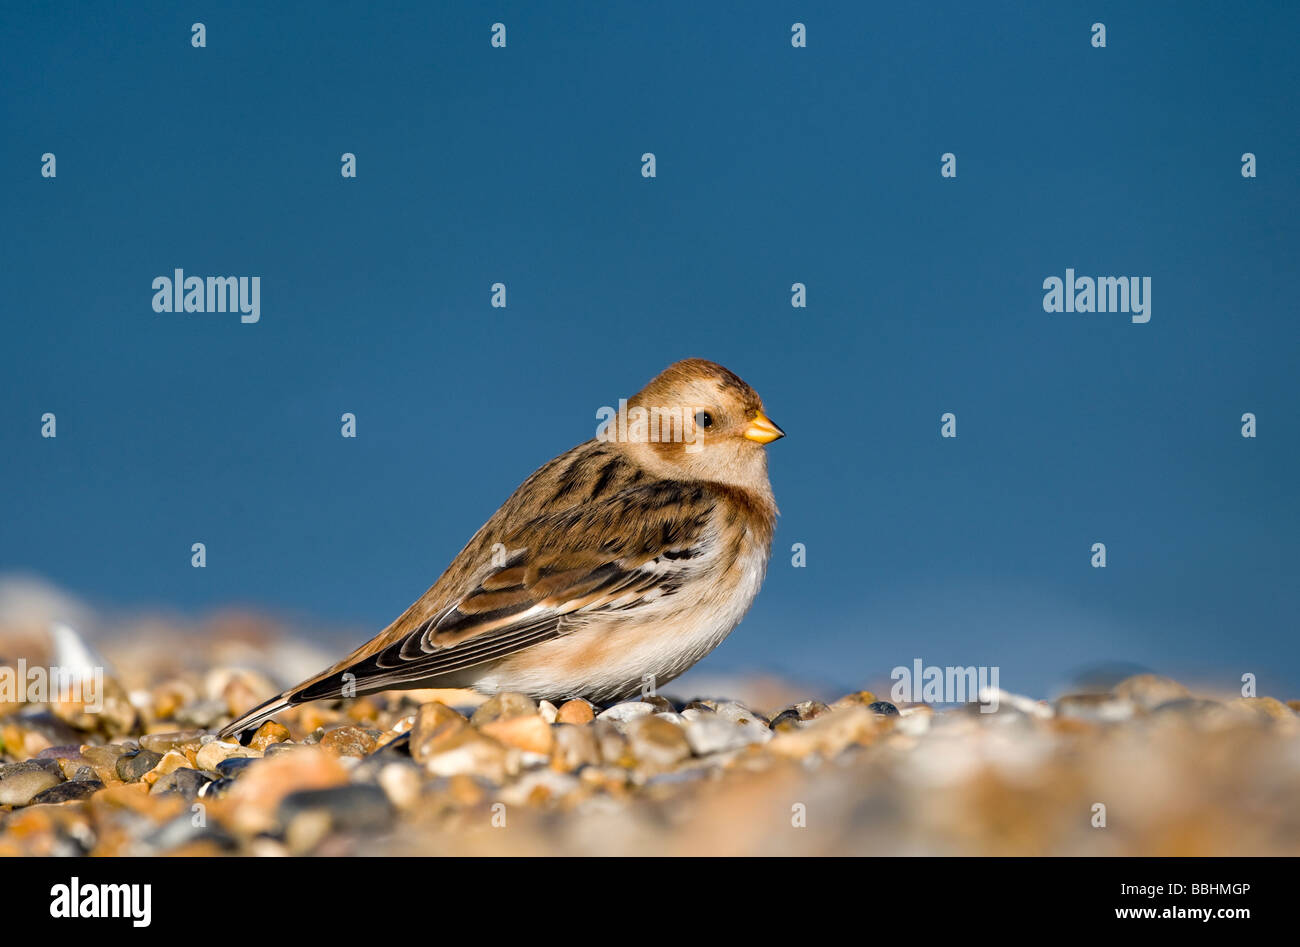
x=1147 y=767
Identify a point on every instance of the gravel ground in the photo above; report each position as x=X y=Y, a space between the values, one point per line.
x=1147 y=768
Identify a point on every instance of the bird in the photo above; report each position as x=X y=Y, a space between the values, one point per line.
x=622 y=561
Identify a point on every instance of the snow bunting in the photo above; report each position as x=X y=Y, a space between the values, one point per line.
x=632 y=554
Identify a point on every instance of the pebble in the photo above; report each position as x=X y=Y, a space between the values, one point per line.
x=187 y=782
x=232 y=766
x=350 y=741
x=306 y=830
x=829 y=734
x=465 y=790
x=133 y=767
x=532 y=734
x=69 y=751
x=267 y=734
x=401 y=782
x=1268 y=707
x=35 y=763
x=804 y=710
x=167 y=698
x=213 y=754
x=276 y=749
x=202 y=714
x=786 y=719
x=114 y=716
x=883 y=707
x=715 y=734
x=576 y=711
x=1149 y=691
x=162 y=742
x=468 y=751
x=738 y=712
x=171 y=761
x=538 y=788
x=661 y=705
x=574 y=747
x=259 y=790
x=857 y=699
x=391 y=747
x=915 y=720
x=354 y=808
x=216 y=788
x=611 y=743
x=104 y=759
x=434 y=722
x=182 y=831
x=400 y=728
x=656 y=745
x=628 y=710
x=31 y=732
x=1005 y=703
x=18 y=785
x=1196 y=710
x=68 y=792
x=1100 y=708
x=503 y=706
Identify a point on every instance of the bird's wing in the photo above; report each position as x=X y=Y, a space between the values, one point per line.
x=550 y=575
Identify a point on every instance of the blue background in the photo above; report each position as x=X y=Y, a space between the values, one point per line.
x=775 y=165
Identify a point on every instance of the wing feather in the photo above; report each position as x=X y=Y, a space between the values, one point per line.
x=564 y=568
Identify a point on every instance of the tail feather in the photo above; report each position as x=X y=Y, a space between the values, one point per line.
x=325 y=686
x=259 y=713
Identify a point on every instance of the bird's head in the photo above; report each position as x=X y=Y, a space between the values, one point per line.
x=698 y=421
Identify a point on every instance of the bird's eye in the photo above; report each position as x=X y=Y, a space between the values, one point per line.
x=703 y=419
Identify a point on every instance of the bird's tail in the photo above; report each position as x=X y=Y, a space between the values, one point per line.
x=346 y=679
x=259 y=713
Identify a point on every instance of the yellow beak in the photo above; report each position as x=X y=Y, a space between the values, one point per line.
x=762 y=429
